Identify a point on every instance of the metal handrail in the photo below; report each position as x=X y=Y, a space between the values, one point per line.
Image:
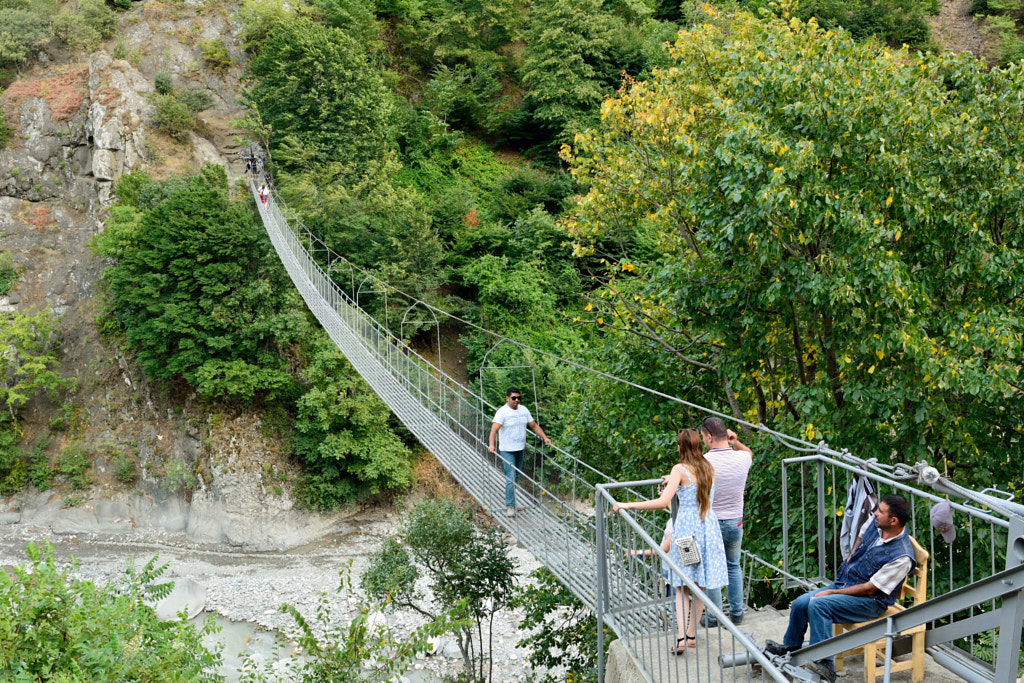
x=561 y=533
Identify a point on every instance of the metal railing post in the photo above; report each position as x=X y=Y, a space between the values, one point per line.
x=1013 y=608
x=601 y=592
x=785 y=526
x=821 y=518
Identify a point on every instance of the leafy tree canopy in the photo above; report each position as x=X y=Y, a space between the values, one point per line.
x=837 y=243
x=316 y=91
x=196 y=287
x=343 y=434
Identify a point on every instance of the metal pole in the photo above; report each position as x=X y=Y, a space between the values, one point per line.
x=602 y=581
x=785 y=525
x=1013 y=608
x=821 y=519
x=889 y=635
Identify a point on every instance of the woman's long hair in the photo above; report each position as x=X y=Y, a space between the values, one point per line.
x=693 y=459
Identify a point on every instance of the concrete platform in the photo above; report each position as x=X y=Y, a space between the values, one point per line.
x=701 y=663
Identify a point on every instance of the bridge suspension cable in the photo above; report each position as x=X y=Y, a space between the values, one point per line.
x=792 y=443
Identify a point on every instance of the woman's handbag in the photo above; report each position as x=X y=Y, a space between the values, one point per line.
x=688 y=552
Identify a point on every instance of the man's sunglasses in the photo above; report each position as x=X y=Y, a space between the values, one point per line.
x=514 y=398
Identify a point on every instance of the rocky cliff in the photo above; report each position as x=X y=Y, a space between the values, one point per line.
x=79 y=126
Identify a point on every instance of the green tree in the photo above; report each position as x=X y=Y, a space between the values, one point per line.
x=197 y=289
x=575 y=57
x=28 y=361
x=54 y=627
x=812 y=267
x=315 y=89
x=23 y=31
x=465 y=564
x=562 y=630
x=343 y=435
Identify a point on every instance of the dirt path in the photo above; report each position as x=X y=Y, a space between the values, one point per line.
x=956 y=29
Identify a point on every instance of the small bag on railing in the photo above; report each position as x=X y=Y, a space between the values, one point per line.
x=688 y=552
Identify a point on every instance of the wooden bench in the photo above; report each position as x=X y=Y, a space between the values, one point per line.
x=874 y=653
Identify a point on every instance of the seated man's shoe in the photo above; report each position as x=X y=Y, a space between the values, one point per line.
x=778 y=649
x=823 y=668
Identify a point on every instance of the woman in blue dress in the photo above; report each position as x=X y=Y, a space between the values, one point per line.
x=692 y=481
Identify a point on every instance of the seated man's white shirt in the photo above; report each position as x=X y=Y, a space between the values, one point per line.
x=888 y=577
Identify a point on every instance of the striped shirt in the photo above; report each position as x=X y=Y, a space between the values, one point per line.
x=731 y=467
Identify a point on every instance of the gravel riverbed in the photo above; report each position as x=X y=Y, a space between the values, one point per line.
x=251 y=586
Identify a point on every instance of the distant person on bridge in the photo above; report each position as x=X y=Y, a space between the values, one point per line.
x=731 y=460
x=865 y=586
x=509 y=425
x=693 y=481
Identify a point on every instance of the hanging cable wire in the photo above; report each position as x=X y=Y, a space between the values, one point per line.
x=793 y=443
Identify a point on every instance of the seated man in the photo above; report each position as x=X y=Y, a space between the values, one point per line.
x=865 y=586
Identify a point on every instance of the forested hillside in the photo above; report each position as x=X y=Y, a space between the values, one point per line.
x=776 y=218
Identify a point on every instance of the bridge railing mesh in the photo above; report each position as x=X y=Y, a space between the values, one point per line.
x=563 y=518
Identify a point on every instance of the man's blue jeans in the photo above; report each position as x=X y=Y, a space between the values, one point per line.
x=821 y=613
x=732 y=536
x=508 y=460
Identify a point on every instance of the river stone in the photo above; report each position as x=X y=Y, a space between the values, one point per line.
x=188 y=596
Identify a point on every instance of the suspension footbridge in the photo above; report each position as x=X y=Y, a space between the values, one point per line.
x=563 y=516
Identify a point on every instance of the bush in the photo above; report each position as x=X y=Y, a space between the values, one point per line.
x=196 y=100
x=39 y=471
x=179 y=477
x=195 y=287
x=163 y=84
x=215 y=54
x=5 y=131
x=73 y=462
x=121 y=5
x=8 y=273
x=121 y=50
x=13 y=476
x=124 y=469
x=59 y=628
x=69 y=417
x=98 y=16
x=173 y=116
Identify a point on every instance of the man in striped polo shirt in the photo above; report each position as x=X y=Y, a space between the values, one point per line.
x=731 y=461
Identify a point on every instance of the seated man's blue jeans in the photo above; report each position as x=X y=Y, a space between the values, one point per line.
x=510 y=459
x=732 y=536
x=821 y=613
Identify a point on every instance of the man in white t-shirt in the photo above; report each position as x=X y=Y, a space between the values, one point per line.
x=509 y=425
x=731 y=461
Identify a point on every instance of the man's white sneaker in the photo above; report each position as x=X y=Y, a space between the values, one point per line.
x=511 y=512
